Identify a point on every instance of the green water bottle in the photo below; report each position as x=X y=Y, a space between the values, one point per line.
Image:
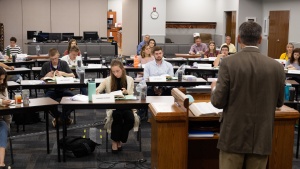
x=91 y=89
x=8 y=52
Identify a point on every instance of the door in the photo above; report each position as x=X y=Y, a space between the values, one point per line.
x=231 y=25
x=278 y=33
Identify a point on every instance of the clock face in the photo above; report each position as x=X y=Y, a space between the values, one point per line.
x=154 y=15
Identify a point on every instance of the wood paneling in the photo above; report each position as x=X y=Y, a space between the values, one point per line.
x=204 y=25
x=278 y=33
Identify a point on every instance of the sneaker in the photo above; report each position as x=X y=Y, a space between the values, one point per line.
x=54 y=123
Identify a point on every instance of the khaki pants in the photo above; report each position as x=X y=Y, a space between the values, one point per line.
x=239 y=161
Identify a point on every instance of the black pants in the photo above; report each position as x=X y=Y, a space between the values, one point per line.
x=123 y=121
x=166 y=91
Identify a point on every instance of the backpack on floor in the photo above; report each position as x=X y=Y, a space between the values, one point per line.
x=79 y=146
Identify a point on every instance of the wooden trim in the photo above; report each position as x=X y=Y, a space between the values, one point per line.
x=182 y=25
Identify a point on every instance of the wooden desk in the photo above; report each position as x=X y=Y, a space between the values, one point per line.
x=199 y=81
x=184 y=55
x=119 y=104
x=39 y=104
x=28 y=63
x=21 y=70
x=202 y=152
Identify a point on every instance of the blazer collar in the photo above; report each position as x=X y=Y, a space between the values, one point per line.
x=250 y=49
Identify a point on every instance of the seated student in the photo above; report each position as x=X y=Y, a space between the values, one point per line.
x=152 y=43
x=211 y=52
x=158 y=67
x=5 y=120
x=13 y=47
x=289 y=50
x=72 y=42
x=119 y=121
x=294 y=62
x=198 y=47
x=141 y=44
x=145 y=57
x=72 y=59
x=231 y=46
x=56 y=67
x=224 y=53
x=73 y=56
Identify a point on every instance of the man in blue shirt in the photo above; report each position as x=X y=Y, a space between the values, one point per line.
x=144 y=42
x=158 y=67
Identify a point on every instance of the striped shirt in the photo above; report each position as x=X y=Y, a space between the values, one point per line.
x=13 y=50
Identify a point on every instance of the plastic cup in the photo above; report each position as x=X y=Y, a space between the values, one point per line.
x=18 y=98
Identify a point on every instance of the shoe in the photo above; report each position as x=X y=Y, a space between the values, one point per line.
x=69 y=121
x=3 y=167
x=120 y=148
x=53 y=124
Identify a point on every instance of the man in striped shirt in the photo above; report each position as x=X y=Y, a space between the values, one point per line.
x=13 y=47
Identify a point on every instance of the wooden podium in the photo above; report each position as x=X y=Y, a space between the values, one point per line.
x=172 y=148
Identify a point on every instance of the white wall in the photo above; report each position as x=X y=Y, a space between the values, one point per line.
x=191 y=10
x=250 y=8
x=19 y=16
x=116 y=5
x=156 y=28
x=221 y=7
x=130 y=27
x=293 y=7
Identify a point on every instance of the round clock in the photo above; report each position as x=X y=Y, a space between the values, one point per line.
x=154 y=15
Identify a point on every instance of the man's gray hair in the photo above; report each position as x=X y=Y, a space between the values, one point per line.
x=250 y=33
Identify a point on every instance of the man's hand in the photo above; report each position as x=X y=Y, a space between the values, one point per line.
x=192 y=53
x=213 y=85
x=11 y=68
x=50 y=74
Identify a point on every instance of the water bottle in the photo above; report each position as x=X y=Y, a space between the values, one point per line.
x=91 y=89
x=8 y=52
x=85 y=55
x=38 y=49
x=78 y=63
x=287 y=91
x=135 y=61
x=180 y=75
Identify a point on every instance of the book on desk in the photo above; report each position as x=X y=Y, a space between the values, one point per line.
x=204 y=108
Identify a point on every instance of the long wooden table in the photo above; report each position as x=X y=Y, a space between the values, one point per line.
x=170 y=124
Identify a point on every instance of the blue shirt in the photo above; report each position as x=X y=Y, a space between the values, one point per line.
x=153 y=69
x=140 y=47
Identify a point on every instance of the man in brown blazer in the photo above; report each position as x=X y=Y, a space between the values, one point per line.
x=249 y=88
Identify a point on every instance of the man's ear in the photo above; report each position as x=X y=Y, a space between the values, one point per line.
x=259 y=41
x=239 y=39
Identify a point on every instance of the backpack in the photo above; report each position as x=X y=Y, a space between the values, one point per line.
x=79 y=146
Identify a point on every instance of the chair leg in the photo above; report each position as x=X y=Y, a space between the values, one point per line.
x=106 y=141
x=11 y=151
x=74 y=117
x=140 y=138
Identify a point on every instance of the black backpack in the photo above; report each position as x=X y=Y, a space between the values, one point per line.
x=79 y=146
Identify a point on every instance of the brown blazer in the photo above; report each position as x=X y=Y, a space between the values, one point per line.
x=249 y=88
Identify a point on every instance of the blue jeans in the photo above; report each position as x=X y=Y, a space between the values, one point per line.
x=58 y=94
x=3 y=133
